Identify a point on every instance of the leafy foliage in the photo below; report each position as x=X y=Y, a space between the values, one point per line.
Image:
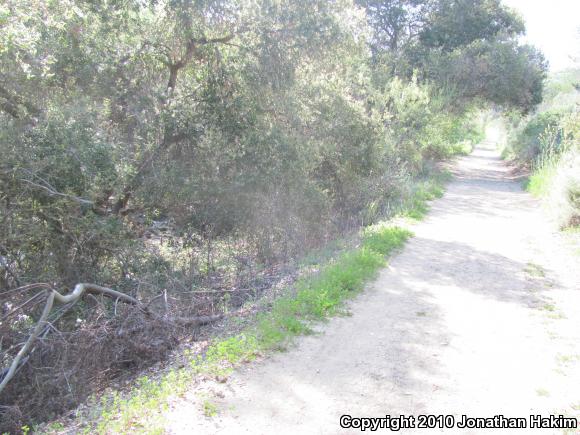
x=548 y=142
x=468 y=48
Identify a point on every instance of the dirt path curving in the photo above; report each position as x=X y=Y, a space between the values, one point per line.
x=479 y=315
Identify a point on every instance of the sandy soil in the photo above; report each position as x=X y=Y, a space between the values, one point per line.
x=479 y=315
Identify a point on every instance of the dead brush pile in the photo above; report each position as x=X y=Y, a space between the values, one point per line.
x=70 y=358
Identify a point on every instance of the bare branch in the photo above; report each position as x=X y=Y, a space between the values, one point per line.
x=53 y=192
x=28 y=287
x=196 y=321
x=20 y=306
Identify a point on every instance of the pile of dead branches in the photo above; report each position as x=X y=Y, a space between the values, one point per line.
x=56 y=350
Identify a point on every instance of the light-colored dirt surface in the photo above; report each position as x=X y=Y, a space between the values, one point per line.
x=479 y=315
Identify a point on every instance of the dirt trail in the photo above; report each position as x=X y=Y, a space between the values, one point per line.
x=479 y=315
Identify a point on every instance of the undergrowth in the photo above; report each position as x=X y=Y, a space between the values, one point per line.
x=538 y=184
x=313 y=298
x=547 y=143
x=557 y=182
x=416 y=205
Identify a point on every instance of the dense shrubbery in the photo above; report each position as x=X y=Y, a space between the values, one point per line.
x=171 y=146
x=549 y=143
x=528 y=141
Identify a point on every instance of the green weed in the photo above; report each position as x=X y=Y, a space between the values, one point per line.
x=542 y=392
x=223 y=355
x=318 y=297
x=384 y=239
x=549 y=307
x=539 y=183
x=533 y=269
x=209 y=409
x=416 y=205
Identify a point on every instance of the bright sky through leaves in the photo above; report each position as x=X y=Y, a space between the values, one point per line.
x=554 y=27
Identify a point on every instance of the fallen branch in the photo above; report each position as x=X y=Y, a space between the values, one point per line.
x=196 y=321
x=27 y=287
x=19 y=307
x=180 y=321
